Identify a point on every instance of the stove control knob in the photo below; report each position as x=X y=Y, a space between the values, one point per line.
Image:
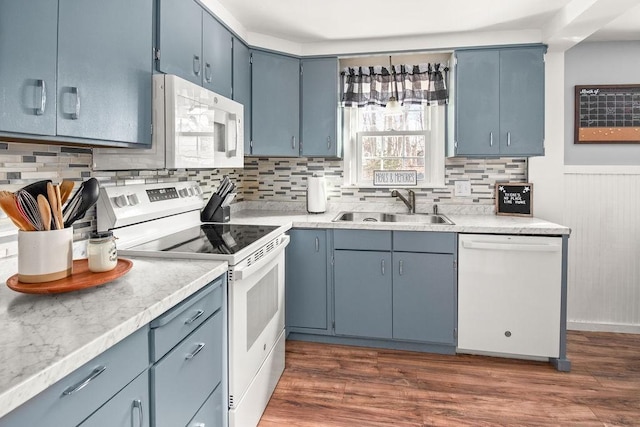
x=197 y=190
x=183 y=192
x=133 y=199
x=121 y=201
x=190 y=191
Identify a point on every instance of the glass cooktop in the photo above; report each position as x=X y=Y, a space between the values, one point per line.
x=224 y=239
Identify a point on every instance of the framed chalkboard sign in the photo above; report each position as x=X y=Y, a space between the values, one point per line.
x=607 y=114
x=514 y=198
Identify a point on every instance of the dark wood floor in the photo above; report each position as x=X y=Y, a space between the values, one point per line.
x=329 y=385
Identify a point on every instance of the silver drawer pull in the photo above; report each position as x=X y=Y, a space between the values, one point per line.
x=199 y=425
x=82 y=384
x=317 y=244
x=137 y=404
x=382 y=267
x=194 y=318
x=195 y=352
x=401 y=270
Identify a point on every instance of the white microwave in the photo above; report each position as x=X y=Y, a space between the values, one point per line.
x=193 y=127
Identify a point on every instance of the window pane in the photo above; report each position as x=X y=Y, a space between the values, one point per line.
x=414 y=146
x=368 y=166
x=393 y=146
x=371 y=146
x=392 y=164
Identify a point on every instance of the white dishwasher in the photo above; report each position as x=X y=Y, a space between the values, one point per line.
x=509 y=295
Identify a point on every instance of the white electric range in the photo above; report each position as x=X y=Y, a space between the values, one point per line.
x=163 y=220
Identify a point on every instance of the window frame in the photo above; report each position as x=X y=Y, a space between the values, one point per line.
x=434 y=148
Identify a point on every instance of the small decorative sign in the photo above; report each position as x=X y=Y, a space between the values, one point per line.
x=384 y=178
x=514 y=199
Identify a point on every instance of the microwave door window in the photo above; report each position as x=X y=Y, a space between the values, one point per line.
x=194 y=133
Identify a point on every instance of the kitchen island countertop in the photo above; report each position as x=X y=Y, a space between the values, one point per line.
x=492 y=224
x=46 y=337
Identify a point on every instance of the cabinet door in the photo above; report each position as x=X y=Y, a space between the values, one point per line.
x=423 y=297
x=522 y=101
x=104 y=70
x=180 y=39
x=28 y=49
x=128 y=408
x=363 y=293
x=306 y=279
x=477 y=102
x=242 y=86
x=320 y=107
x=216 y=53
x=275 y=85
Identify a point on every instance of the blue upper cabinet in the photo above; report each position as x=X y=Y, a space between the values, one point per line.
x=320 y=108
x=104 y=70
x=242 y=86
x=28 y=49
x=275 y=86
x=180 y=39
x=500 y=102
x=216 y=54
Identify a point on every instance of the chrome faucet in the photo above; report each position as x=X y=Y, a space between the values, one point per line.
x=411 y=203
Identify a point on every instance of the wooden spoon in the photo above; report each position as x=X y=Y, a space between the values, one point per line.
x=9 y=205
x=66 y=187
x=53 y=202
x=45 y=212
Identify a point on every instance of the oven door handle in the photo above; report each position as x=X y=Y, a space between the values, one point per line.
x=243 y=271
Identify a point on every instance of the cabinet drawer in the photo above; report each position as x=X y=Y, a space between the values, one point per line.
x=182 y=380
x=87 y=388
x=130 y=407
x=210 y=414
x=362 y=239
x=424 y=241
x=171 y=327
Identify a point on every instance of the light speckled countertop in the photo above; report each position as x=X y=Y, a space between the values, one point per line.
x=493 y=224
x=46 y=337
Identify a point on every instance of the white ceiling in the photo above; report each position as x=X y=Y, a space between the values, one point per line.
x=326 y=23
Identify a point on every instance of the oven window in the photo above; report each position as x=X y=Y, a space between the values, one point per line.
x=262 y=305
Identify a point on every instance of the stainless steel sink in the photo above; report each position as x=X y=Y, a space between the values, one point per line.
x=389 y=217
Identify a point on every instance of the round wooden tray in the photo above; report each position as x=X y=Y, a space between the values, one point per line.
x=80 y=279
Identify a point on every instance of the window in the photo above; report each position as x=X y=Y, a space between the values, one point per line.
x=412 y=140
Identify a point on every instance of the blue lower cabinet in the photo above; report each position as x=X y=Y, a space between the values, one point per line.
x=424 y=294
x=128 y=408
x=306 y=278
x=71 y=400
x=363 y=294
x=183 y=379
x=211 y=412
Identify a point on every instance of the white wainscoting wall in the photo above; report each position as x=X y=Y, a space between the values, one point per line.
x=602 y=208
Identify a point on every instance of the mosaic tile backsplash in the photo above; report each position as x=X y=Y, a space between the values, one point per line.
x=262 y=179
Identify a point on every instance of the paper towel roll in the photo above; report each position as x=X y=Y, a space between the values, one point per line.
x=316 y=195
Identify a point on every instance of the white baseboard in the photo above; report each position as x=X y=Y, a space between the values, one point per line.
x=603 y=327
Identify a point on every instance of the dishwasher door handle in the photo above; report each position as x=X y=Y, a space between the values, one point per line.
x=525 y=247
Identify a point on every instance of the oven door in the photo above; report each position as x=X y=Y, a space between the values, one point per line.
x=256 y=318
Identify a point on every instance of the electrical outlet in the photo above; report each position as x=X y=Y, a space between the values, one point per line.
x=462 y=189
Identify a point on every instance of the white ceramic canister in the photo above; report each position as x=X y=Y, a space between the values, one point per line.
x=44 y=256
x=102 y=254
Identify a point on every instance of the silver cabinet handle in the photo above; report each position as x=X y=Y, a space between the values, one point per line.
x=490 y=139
x=508 y=139
x=196 y=64
x=328 y=143
x=293 y=142
x=317 y=244
x=400 y=269
x=199 y=425
x=195 y=352
x=382 y=267
x=76 y=113
x=207 y=66
x=43 y=98
x=137 y=404
x=82 y=384
x=195 y=316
